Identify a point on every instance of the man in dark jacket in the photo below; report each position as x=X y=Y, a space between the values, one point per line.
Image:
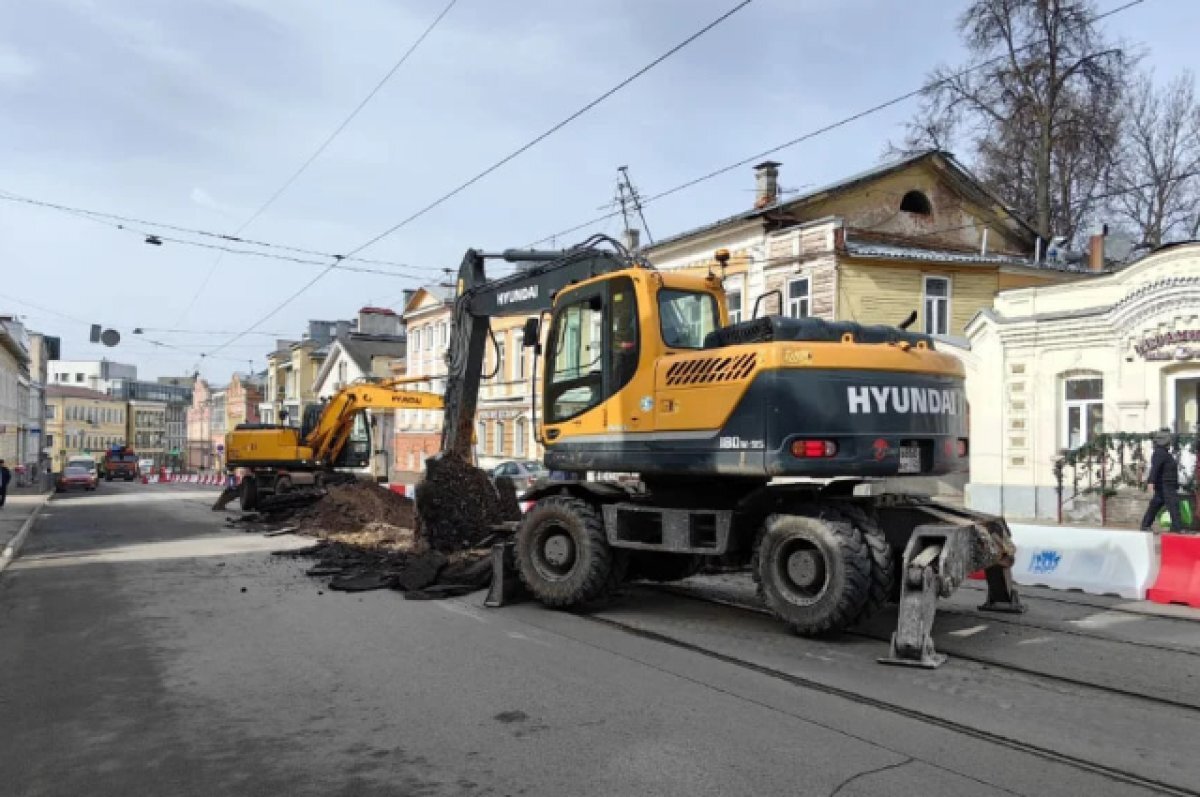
x=1164 y=478
x=5 y=478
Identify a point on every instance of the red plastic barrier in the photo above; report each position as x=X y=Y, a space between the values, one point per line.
x=1179 y=574
x=398 y=489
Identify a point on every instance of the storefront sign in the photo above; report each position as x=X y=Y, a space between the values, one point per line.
x=1180 y=344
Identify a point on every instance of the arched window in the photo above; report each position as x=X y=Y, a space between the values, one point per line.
x=916 y=202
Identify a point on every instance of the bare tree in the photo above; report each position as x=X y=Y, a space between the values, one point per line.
x=1155 y=183
x=1038 y=101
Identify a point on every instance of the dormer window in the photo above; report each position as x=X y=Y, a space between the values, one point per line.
x=916 y=202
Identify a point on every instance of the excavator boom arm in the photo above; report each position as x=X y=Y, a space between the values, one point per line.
x=333 y=429
x=531 y=290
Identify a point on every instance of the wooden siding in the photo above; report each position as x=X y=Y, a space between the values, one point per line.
x=821 y=275
x=872 y=293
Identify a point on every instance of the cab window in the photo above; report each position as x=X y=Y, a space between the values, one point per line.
x=593 y=348
x=686 y=317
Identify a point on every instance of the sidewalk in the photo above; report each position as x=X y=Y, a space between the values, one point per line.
x=16 y=519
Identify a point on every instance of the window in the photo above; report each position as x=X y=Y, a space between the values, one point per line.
x=501 y=373
x=686 y=317
x=519 y=355
x=937 y=305
x=429 y=338
x=498 y=439
x=1083 y=410
x=49 y=441
x=916 y=202
x=733 y=302
x=78 y=377
x=416 y=341
x=50 y=412
x=480 y=438
x=593 y=343
x=799 y=298
x=520 y=433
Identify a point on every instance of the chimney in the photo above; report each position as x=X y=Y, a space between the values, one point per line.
x=633 y=239
x=1096 y=251
x=766 y=183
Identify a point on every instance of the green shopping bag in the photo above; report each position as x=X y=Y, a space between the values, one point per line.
x=1185 y=514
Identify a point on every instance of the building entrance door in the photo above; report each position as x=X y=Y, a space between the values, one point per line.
x=1187 y=405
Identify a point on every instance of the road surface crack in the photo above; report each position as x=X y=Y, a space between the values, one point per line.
x=875 y=771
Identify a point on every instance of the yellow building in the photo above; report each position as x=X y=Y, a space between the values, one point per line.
x=920 y=235
x=82 y=422
x=147 y=430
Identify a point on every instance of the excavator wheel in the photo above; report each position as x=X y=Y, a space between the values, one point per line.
x=813 y=574
x=884 y=565
x=662 y=567
x=563 y=555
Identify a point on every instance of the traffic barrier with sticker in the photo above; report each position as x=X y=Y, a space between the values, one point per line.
x=1099 y=561
x=1179 y=574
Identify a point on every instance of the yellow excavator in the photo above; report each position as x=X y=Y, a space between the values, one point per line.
x=332 y=443
x=754 y=442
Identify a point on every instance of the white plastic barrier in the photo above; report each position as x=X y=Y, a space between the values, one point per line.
x=1099 y=561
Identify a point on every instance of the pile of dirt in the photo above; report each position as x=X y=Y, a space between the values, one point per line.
x=420 y=576
x=457 y=504
x=352 y=508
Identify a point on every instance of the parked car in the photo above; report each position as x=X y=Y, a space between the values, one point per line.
x=524 y=473
x=76 y=477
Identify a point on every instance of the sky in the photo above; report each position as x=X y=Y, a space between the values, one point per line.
x=194 y=114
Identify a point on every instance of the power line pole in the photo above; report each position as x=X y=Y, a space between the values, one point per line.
x=628 y=195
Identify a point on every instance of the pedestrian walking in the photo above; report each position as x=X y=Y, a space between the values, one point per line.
x=5 y=478
x=1164 y=479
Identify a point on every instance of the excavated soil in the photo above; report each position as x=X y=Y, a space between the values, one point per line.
x=371 y=538
x=354 y=508
x=457 y=504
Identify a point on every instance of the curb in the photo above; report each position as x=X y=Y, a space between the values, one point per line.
x=14 y=545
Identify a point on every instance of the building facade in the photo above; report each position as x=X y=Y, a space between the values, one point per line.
x=99 y=375
x=199 y=428
x=175 y=393
x=146 y=430
x=916 y=235
x=1049 y=369
x=426 y=318
x=42 y=349
x=82 y=422
x=14 y=392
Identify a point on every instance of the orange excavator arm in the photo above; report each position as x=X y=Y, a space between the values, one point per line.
x=329 y=436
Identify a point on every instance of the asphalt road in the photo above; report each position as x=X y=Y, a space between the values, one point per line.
x=146 y=649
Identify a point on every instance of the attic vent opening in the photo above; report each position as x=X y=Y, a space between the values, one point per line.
x=916 y=202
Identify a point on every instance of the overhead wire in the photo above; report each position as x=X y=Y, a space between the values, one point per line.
x=96 y=215
x=507 y=158
x=814 y=133
x=321 y=148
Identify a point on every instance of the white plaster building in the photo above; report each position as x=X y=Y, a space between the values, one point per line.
x=1050 y=367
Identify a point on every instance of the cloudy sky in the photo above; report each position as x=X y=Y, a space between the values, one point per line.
x=194 y=113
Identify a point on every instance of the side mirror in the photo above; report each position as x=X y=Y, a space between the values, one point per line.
x=533 y=327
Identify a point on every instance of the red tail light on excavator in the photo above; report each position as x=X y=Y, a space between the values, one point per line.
x=814 y=449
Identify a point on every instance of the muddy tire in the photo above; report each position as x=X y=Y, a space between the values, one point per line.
x=662 y=567
x=563 y=556
x=814 y=575
x=884 y=579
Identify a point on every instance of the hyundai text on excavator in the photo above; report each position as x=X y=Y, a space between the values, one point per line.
x=749 y=440
x=333 y=441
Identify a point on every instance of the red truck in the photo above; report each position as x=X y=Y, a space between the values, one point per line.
x=120 y=462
